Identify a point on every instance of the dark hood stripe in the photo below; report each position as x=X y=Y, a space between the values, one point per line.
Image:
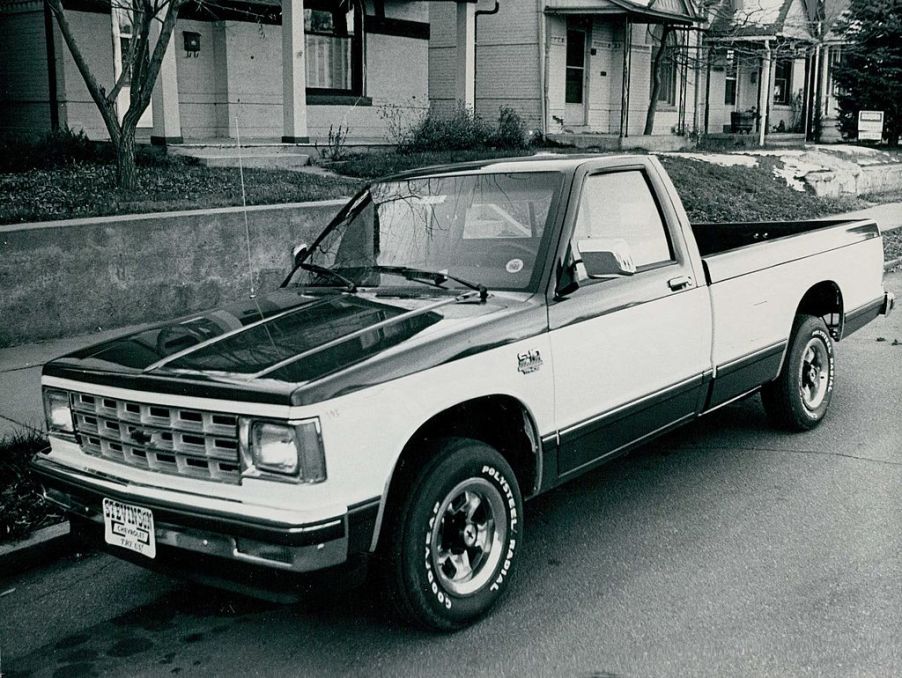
x=403 y=317
x=226 y=335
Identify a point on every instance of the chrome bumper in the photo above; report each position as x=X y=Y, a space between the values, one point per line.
x=889 y=302
x=279 y=546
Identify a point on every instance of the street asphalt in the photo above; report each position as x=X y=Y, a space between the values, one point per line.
x=724 y=549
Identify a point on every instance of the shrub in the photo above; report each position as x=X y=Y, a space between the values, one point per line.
x=512 y=131
x=22 y=508
x=25 y=152
x=460 y=130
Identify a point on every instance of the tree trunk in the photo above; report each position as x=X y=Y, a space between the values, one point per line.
x=126 y=171
x=656 y=81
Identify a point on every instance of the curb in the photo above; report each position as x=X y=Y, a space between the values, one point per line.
x=892 y=263
x=40 y=548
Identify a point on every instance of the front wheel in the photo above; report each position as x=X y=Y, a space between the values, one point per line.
x=454 y=541
x=798 y=399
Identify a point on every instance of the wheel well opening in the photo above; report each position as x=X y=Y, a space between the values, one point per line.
x=499 y=421
x=824 y=300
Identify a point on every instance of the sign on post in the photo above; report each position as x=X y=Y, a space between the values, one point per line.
x=870 y=125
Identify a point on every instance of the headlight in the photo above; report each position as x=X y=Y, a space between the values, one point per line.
x=283 y=451
x=57 y=413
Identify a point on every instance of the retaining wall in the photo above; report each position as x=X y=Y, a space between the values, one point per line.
x=60 y=278
x=856 y=180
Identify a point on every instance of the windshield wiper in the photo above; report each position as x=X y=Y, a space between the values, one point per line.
x=437 y=277
x=322 y=270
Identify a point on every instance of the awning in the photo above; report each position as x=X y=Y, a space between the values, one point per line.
x=639 y=11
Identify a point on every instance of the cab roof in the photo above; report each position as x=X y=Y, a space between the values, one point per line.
x=540 y=162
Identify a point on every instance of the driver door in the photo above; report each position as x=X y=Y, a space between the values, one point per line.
x=630 y=353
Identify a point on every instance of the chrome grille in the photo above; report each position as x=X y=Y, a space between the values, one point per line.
x=174 y=440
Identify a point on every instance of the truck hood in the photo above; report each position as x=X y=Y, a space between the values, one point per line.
x=296 y=346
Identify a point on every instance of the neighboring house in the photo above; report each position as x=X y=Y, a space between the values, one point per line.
x=227 y=65
x=560 y=63
x=828 y=55
x=760 y=58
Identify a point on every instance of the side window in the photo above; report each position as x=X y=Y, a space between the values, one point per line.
x=620 y=206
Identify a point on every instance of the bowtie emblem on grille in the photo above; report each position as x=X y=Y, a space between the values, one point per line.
x=140 y=437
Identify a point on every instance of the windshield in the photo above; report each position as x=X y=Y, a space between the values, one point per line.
x=486 y=229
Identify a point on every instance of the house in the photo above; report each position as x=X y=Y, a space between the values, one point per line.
x=760 y=57
x=559 y=63
x=581 y=69
x=231 y=67
x=568 y=66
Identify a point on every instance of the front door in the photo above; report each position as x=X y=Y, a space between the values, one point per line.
x=575 y=78
x=630 y=353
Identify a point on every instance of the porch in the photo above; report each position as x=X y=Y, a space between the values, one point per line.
x=604 y=51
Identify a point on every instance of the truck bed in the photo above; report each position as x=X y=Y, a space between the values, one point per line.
x=733 y=249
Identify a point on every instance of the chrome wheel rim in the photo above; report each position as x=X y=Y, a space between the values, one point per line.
x=468 y=536
x=814 y=373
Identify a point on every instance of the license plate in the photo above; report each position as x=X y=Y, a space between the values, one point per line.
x=130 y=527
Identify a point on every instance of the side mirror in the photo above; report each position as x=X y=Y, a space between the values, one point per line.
x=567 y=280
x=605 y=257
x=298 y=253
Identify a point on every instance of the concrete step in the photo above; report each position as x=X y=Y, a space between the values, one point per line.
x=229 y=147
x=254 y=160
x=785 y=139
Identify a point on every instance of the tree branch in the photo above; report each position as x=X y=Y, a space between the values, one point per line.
x=656 y=79
x=156 y=59
x=126 y=62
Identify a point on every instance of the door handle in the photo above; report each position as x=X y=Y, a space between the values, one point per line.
x=679 y=282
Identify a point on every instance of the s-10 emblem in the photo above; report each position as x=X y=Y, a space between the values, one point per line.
x=530 y=361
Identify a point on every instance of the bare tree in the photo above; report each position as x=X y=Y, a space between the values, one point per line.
x=656 y=63
x=140 y=67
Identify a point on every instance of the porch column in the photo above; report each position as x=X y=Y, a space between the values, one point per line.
x=167 y=122
x=465 y=76
x=294 y=74
x=765 y=91
x=823 y=88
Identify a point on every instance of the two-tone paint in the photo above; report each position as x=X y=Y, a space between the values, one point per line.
x=593 y=372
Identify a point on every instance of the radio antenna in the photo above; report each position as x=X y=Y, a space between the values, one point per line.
x=247 y=228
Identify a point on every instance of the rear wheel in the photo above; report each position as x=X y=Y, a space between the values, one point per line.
x=799 y=398
x=451 y=547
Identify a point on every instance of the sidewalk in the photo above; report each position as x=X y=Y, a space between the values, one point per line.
x=20 y=366
x=20 y=377
x=888 y=215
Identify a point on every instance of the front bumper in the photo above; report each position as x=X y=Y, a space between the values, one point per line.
x=181 y=528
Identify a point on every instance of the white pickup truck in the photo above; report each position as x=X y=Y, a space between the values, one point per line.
x=458 y=338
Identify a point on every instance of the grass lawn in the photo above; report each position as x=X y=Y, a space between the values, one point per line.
x=82 y=184
x=22 y=509
x=709 y=192
x=86 y=189
x=892 y=245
